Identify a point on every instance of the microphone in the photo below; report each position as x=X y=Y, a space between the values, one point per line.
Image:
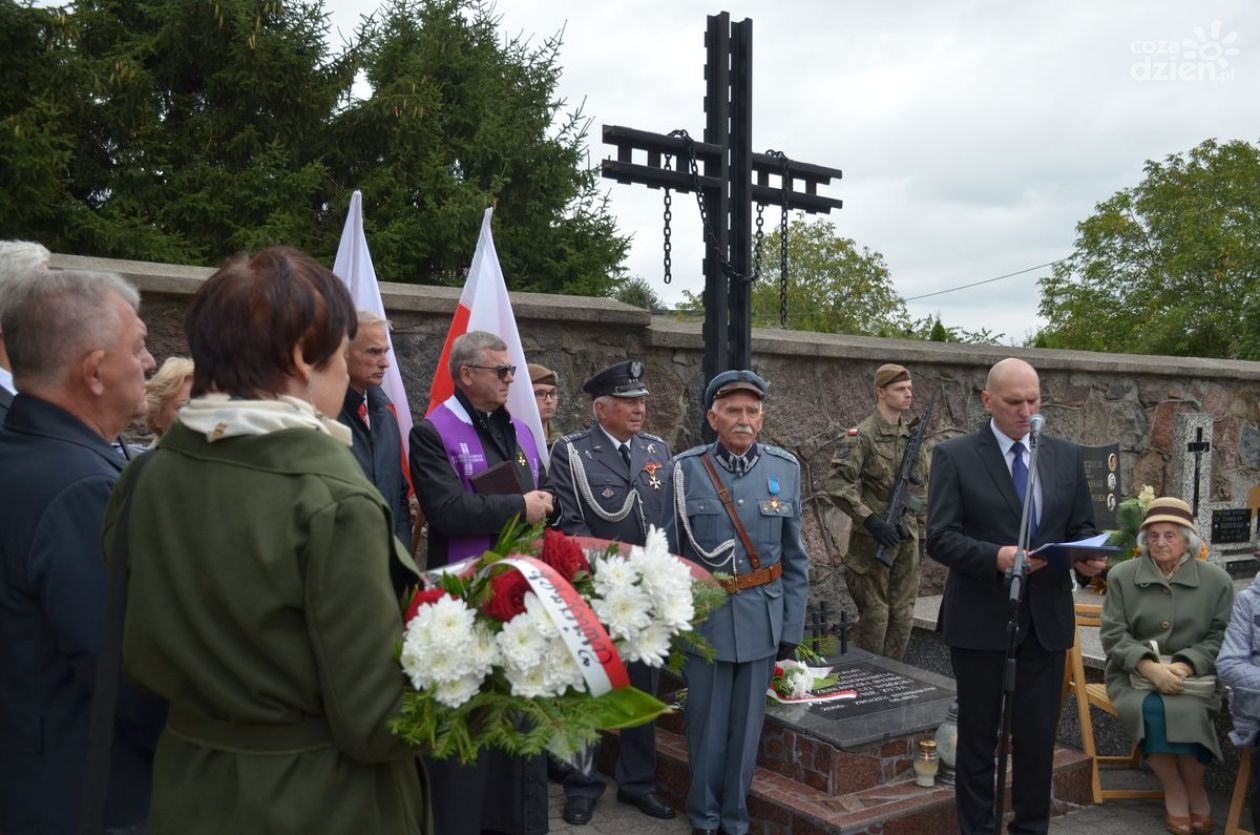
x=1036 y=423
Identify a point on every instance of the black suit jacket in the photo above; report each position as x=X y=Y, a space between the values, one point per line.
x=973 y=511
x=55 y=480
x=6 y=399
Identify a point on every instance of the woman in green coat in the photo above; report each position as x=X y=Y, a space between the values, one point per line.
x=259 y=598
x=1182 y=605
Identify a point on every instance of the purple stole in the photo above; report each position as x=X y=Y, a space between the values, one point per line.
x=468 y=458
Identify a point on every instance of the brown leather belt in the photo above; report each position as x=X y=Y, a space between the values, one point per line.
x=760 y=577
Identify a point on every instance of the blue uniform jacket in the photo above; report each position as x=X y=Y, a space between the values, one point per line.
x=605 y=486
x=754 y=621
x=56 y=475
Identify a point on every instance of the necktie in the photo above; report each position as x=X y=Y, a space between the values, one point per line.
x=1019 y=475
x=624 y=449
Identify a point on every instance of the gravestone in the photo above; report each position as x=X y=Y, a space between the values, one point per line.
x=1227 y=527
x=892 y=700
x=1102 y=473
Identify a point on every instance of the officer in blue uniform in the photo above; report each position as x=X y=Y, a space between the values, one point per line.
x=609 y=482
x=710 y=487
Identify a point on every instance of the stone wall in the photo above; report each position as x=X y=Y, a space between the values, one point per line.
x=820 y=385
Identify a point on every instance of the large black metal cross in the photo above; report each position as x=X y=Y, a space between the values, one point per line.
x=726 y=185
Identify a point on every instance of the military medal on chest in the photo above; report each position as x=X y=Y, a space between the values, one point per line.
x=650 y=468
x=608 y=493
x=772 y=484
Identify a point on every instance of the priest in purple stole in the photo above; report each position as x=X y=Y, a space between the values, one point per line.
x=460 y=440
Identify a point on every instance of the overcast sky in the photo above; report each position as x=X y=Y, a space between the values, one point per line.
x=973 y=136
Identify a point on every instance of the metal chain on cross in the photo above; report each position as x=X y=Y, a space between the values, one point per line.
x=759 y=241
x=669 y=217
x=783 y=234
x=709 y=235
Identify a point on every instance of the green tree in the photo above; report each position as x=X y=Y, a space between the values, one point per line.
x=638 y=292
x=175 y=130
x=458 y=119
x=186 y=130
x=1169 y=266
x=833 y=285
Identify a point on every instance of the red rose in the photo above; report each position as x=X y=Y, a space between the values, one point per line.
x=507 y=596
x=423 y=597
x=564 y=555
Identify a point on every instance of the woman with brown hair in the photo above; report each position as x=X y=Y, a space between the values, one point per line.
x=259 y=599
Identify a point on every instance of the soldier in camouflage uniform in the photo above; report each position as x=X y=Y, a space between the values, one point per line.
x=860 y=482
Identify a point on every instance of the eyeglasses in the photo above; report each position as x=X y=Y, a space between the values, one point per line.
x=503 y=371
x=546 y=394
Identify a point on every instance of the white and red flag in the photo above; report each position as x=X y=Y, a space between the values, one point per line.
x=484 y=306
x=354 y=267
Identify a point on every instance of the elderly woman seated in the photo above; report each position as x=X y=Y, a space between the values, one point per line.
x=1239 y=667
x=166 y=392
x=1163 y=620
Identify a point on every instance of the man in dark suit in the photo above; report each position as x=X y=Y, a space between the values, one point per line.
x=974 y=508
x=79 y=358
x=608 y=481
x=373 y=424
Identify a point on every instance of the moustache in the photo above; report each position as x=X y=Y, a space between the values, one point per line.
x=742 y=430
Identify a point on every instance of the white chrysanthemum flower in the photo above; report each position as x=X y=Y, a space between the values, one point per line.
x=449 y=620
x=675 y=610
x=612 y=573
x=446 y=663
x=483 y=652
x=455 y=693
x=624 y=610
x=538 y=615
x=520 y=642
x=528 y=682
x=651 y=646
x=560 y=670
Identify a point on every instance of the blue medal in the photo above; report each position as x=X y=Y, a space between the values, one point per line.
x=772 y=484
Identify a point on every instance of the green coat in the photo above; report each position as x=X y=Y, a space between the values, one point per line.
x=260 y=607
x=1187 y=616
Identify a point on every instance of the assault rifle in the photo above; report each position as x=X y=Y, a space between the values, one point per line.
x=901 y=487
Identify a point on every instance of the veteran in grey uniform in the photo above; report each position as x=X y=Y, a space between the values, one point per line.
x=735 y=508
x=609 y=482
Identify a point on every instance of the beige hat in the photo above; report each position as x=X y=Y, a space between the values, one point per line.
x=541 y=374
x=891 y=373
x=1168 y=509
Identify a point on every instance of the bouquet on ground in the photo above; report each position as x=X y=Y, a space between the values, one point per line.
x=800 y=680
x=524 y=648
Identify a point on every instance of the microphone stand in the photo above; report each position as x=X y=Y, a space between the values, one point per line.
x=1015 y=577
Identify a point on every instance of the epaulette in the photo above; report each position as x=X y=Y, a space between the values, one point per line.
x=652 y=437
x=779 y=453
x=694 y=451
x=573 y=436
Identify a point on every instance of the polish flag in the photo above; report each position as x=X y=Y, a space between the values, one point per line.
x=484 y=306
x=354 y=267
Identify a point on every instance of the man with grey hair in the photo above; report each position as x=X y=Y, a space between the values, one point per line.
x=373 y=423
x=79 y=359
x=18 y=260
x=474 y=468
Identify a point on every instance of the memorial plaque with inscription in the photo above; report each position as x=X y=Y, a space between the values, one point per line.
x=1231 y=525
x=893 y=700
x=1102 y=472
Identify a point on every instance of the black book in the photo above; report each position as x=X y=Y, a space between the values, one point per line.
x=500 y=480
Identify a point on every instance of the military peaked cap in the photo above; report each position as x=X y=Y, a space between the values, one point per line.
x=625 y=379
